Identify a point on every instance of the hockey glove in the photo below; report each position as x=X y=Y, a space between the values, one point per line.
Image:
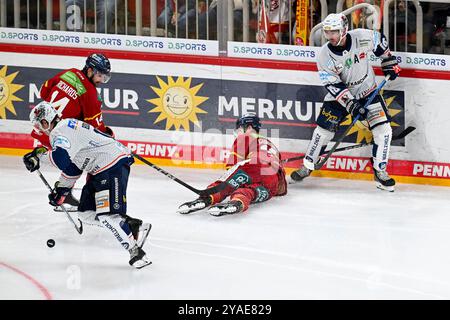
x=31 y=159
x=58 y=195
x=390 y=67
x=109 y=131
x=355 y=108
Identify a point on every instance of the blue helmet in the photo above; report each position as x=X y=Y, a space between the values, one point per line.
x=100 y=64
x=249 y=120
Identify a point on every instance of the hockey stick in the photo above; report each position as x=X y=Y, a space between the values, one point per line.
x=399 y=136
x=319 y=165
x=78 y=228
x=205 y=192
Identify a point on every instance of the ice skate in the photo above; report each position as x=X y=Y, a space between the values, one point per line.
x=221 y=209
x=138 y=258
x=300 y=174
x=383 y=181
x=139 y=230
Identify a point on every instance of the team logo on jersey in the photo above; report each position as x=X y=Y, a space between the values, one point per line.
x=177 y=103
x=62 y=142
x=239 y=178
x=7 y=91
x=72 y=123
x=262 y=194
x=348 y=63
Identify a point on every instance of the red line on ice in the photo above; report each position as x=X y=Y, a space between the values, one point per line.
x=43 y=289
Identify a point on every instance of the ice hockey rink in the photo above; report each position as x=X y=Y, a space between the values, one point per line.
x=327 y=239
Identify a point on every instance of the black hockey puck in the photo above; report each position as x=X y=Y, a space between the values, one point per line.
x=50 y=243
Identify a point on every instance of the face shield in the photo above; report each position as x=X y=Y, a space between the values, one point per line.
x=104 y=77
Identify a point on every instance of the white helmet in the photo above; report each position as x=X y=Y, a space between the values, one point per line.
x=43 y=111
x=336 y=21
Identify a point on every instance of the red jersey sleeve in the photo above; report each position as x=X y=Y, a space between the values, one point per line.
x=239 y=150
x=42 y=138
x=92 y=109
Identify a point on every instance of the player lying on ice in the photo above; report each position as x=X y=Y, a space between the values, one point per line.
x=76 y=147
x=345 y=70
x=255 y=173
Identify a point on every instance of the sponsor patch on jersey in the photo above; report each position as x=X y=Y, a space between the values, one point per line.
x=62 y=142
x=85 y=125
x=375 y=114
x=72 y=123
x=102 y=201
x=262 y=194
x=239 y=178
x=327 y=77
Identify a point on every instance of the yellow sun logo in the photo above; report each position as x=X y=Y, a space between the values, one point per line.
x=7 y=90
x=362 y=128
x=177 y=103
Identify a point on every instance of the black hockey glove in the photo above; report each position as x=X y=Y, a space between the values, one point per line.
x=355 y=108
x=109 y=131
x=390 y=67
x=58 y=195
x=31 y=159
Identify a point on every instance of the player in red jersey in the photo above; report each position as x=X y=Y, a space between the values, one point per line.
x=73 y=94
x=255 y=173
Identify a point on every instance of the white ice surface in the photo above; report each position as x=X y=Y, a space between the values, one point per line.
x=327 y=239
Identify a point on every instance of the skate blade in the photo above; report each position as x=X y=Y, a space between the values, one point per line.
x=385 y=188
x=68 y=208
x=141 y=265
x=217 y=212
x=187 y=210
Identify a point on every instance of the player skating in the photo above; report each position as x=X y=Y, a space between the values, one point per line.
x=76 y=147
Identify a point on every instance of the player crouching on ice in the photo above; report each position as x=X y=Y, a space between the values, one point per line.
x=78 y=146
x=254 y=174
x=344 y=69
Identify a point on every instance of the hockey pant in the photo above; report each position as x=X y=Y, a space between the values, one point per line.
x=245 y=185
x=332 y=114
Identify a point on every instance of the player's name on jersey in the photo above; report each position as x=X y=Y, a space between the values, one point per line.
x=109 y=41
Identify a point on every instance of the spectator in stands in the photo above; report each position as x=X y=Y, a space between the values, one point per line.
x=104 y=14
x=174 y=16
x=211 y=20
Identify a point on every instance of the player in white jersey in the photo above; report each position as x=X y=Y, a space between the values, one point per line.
x=77 y=147
x=344 y=69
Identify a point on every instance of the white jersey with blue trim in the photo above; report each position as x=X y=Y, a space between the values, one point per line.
x=89 y=149
x=347 y=73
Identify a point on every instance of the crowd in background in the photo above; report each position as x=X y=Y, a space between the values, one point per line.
x=270 y=21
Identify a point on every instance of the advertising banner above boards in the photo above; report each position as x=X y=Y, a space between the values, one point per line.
x=282 y=52
x=169 y=103
x=199 y=47
x=108 y=41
